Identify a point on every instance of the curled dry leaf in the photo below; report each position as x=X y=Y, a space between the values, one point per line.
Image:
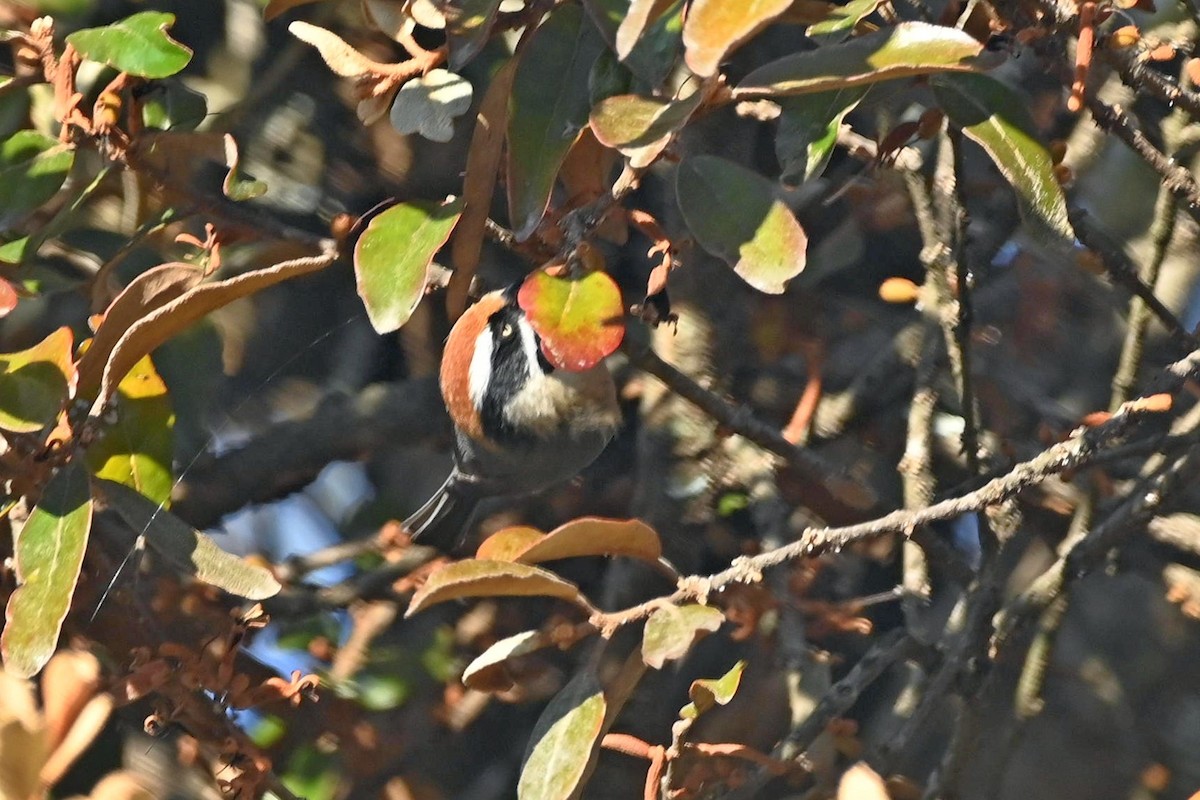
x=483 y=578
x=487 y=672
x=588 y=536
x=79 y=737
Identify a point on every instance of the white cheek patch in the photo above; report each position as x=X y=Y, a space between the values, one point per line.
x=479 y=374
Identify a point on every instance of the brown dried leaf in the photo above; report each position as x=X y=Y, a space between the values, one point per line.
x=69 y=681
x=716 y=27
x=84 y=730
x=343 y=59
x=476 y=578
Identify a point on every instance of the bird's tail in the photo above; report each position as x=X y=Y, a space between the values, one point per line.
x=443 y=519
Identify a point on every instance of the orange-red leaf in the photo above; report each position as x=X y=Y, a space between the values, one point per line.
x=579 y=319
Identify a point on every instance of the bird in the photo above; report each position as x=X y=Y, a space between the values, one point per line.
x=520 y=424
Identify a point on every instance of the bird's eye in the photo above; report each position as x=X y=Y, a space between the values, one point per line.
x=506 y=331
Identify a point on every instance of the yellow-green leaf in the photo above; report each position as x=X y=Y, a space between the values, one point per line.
x=48 y=555
x=138 y=45
x=910 y=48
x=640 y=127
x=563 y=741
x=482 y=578
x=715 y=27
x=580 y=320
x=844 y=17
x=707 y=693
x=671 y=631
x=35 y=384
x=32 y=170
x=734 y=214
x=808 y=131
x=996 y=117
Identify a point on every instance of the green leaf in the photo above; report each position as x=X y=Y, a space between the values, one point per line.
x=640 y=127
x=658 y=46
x=136 y=450
x=910 y=48
x=808 y=129
x=711 y=692
x=548 y=109
x=734 y=214
x=483 y=578
x=49 y=553
x=716 y=27
x=671 y=631
x=580 y=320
x=392 y=258
x=32 y=170
x=468 y=23
x=186 y=548
x=844 y=17
x=563 y=741
x=173 y=106
x=996 y=118
x=429 y=104
x=138 y=45
x=36 y=383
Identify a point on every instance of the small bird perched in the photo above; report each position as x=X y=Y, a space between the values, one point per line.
x=520 y=425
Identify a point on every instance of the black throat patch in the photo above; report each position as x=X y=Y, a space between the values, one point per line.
x=509 y=373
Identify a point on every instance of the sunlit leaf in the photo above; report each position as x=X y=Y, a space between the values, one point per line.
x=997 y=118
x=186 y=548
x=710 y=692
x=392 y=258
x=671 y=631
x=844 y=17
x=138 y=45
x=548 y=109
x=586 y=536
x=641 y=14
x=808 y=130
x=48 y=555
x=487 y=673
x=562 y=741
x=734 y=214
x=860 y=782
x=640 y=127
x=910 y=48
x=475 y=578
x=429 y=104
x=658 y=45
x=580 y=320
x=32 y=170
x=136 y=450
x=716 y=27
x=35 y=384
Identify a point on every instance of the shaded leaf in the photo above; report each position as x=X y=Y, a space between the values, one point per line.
x=138 y=45
x=640 y=127
x=562 y=741
x=716 y=27
x=483 y=165
x=844 y=17
x=150 y=331
x=136 y=450
x=487 y=674
x=548 y=109
x=657 y=47
x=172 y=105
x=182 y=155
x=587 y=536
x=734 y=214
x=641 y=14
x=152 y=289
x=708 y=693
x=475 y=578
x=910 y=48
x=48 y=555
x=671 y=631
x=468 y=23
x=276 y=7
x=36 y=383
x=996 y=118
x=808 y=130
x=392 y=258
x=186 y=548
x=236 y=186
x=580 y=320
x=430 y=103
x=860 y=782
x=32 y=170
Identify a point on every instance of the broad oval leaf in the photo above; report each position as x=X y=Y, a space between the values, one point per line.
x=429 y=104
x=563 y=741
x=36 y=383
x=671 y=631
x=808 y=130
x=138 y=45
x=48 y=555
x=734 y=214
x=580 y=320
x=476 y=578
x=640 y=127
x=715 y=27
x=707 y=693
x=657 y=48
x=910 y=48
x=150 y=331
x=392 y=258
x=152 y=289
x=587 y=536
x=995 y=117
x=486 y=673
x=844 y=17
x=548 y=109
x=174 y=106
x=136 y=450
x=32 y=170
x=186 y=548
